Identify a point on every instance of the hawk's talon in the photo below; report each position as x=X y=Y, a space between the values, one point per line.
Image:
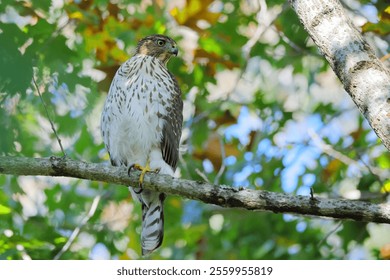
x=129 y=169
x=138 y=191
x=136 y=167
x=143 y=170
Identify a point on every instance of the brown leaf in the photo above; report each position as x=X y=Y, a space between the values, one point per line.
x=385 y=252
x=211 y=60
x=332 y=167
x=194 y=11
x=212 y=150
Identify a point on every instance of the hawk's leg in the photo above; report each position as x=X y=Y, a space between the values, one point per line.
x=143 y=172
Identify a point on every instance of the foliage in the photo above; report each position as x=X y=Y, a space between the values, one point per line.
x=260 y=106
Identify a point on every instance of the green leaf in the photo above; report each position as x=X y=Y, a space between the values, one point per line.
x=4 y=210
x=15 y=67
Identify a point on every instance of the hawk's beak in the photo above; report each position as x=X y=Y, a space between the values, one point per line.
x=174 y=50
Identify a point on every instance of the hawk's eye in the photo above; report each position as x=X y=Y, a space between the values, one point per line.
x=160 y=42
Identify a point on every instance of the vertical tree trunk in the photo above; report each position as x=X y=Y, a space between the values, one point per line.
x=363 y=75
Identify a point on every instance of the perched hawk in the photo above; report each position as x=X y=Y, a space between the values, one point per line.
x=141 y=125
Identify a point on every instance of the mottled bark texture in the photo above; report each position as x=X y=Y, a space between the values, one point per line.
x=363 y=75
x=224 y=196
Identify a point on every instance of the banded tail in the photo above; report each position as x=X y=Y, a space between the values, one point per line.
x=152 y=220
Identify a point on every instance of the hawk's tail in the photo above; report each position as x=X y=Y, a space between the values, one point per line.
x=152 y=223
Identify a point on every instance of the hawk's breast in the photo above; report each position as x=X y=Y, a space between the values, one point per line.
x=140 y=99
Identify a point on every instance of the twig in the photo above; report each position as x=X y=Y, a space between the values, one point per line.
x=223 y=157
x=330 y=233
x=329 y=150
x=48 y=116
x=370 y=169
x=312 y=193
x=261 y=27
x=202 y=175
x=77 y=230
x=385 y=57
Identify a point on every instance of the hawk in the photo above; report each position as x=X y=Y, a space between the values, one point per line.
x=141 y=125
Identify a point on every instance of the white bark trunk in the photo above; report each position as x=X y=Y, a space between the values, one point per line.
x=363 y=75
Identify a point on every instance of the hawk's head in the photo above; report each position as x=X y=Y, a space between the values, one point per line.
x=159 y=46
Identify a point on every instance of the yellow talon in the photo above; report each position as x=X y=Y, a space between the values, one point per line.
x=143 y=172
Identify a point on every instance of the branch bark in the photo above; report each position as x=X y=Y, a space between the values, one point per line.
x=224 y=196
x=363 y=75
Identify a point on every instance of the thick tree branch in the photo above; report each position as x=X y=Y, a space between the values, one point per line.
x=363 y=75
x=224 y=196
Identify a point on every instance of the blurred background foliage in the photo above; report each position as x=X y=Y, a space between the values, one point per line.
x=262 y=110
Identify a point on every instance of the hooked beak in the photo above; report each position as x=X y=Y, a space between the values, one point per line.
x=174 y=50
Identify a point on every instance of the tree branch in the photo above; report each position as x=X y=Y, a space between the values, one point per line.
x=224 y=196
x=363 y=75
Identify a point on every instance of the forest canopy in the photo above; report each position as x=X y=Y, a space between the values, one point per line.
x=262 y=110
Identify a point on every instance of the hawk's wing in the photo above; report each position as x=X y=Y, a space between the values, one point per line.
x=172 y=127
